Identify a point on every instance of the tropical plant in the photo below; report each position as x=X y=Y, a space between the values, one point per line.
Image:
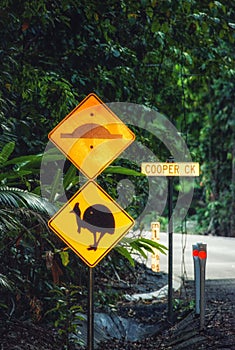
x=26 y=246
x=175 y=57
x=23 y=217
x=172 y=56
x=18 y=200
x=67 y=313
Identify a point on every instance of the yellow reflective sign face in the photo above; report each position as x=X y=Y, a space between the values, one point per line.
x=91 y=223
x=91 y=136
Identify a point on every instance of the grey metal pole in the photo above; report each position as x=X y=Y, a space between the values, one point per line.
x=90 y=311
x=196 y=278
x=170 y=244
x=202 y=260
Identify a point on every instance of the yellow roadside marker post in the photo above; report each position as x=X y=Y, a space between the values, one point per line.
x=155 y=264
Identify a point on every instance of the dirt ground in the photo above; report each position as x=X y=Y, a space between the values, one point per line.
x=183 y=333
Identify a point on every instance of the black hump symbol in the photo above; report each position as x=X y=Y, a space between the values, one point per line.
x=91 y=131
x=97 y=219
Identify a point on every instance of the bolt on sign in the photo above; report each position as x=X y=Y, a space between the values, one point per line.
x=170 y=169
x=91 y=136
x=91 y=223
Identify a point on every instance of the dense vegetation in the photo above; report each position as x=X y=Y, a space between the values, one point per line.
x=176 y=57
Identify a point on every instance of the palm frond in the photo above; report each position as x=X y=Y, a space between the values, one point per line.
x=9 y=222
x=5 y=283
x=12 y=197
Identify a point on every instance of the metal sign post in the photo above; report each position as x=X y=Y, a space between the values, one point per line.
x=170 y=249
x=202 y=254
x=90 y=311
x=170 y=246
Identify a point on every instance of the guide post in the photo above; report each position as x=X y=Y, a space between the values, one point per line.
x=202 y=254
x=196 y=278
x=170 y=244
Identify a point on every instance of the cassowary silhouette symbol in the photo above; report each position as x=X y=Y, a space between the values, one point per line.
x=97 y=219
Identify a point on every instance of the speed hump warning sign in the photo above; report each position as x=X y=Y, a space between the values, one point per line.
x=91 y=223
x=91 y=136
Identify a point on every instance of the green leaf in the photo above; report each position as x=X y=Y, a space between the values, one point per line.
x=124 y=252
x=76 y=308
x=24 y=161
x=155 y=26
x=6 y=152
x=231 y=25
x=114 y=169
x=56 y=185
x=70 y=178
x=64 y=255
x=136 y=246
x=154 y=244
x=149 y=12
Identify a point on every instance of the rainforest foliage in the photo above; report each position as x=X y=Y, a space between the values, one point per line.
x=173 y=56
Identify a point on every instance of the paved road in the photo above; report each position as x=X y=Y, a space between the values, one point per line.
x=220 y=255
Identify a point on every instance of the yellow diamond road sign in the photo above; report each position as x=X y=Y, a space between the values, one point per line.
x=91 y=136
x=91 y=223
